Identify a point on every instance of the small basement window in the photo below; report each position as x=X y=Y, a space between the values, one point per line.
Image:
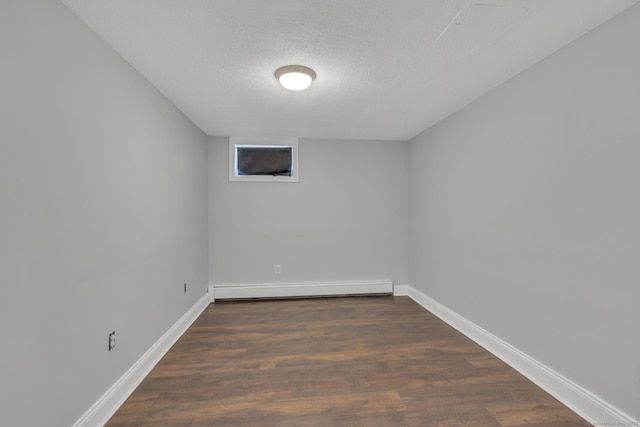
x=263 y=159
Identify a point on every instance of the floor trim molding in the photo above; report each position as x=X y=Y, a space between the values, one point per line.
x=400 y=290
x=282 y=290
x=100 y=412
x=581 y=401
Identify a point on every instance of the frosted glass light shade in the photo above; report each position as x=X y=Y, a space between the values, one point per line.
x=295 y=77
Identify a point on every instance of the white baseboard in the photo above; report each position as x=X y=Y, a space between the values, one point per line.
x=581 y=401
x=400 y=290
x=104 y=408
x=283 y=290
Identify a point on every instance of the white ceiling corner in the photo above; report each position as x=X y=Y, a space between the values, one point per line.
x=385 y=69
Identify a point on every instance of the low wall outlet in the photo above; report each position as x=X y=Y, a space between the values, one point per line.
x=112 y=341
x=185 y=288
x=277 y=269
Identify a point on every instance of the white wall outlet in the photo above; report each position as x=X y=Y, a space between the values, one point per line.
x=185 y=288
x=277 y=269
x=112 y=341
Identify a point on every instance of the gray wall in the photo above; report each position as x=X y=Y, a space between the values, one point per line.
x=103 y=196
x=345 y=220
x=525 y=212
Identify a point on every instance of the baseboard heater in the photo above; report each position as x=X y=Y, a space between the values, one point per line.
x=300 y=290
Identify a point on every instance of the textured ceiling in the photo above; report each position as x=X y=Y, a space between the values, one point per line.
x=387 y=69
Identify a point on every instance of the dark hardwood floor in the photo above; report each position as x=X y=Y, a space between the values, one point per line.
x=358 y=361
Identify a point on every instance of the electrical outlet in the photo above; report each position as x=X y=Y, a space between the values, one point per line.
x=277 y=269
x=185 y=288
x=112 y=341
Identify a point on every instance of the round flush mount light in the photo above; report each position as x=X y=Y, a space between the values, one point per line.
x=295 y=77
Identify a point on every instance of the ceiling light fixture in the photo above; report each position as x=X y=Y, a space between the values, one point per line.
x=295 y=77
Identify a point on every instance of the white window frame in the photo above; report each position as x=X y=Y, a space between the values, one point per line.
x=235 y=141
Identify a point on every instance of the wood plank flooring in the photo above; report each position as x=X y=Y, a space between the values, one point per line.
x=358 y=361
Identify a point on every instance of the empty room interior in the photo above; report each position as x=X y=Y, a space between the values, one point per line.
x=467 y=168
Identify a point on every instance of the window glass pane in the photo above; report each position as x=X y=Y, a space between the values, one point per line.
x=256 y=160
x=253 y=159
